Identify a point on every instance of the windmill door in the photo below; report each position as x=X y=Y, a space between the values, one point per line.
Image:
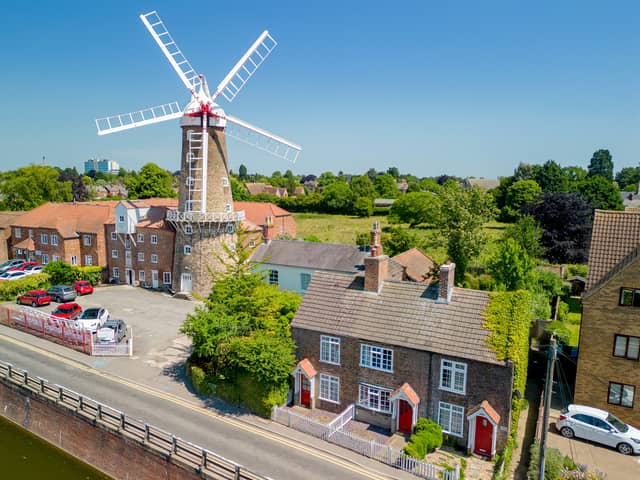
x=484 y=436
x=305 y=391
x=185 y=282
x=405 y=416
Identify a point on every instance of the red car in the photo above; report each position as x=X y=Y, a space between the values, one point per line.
x=35 y=298
x=21 y=268
x=83 y=287
x=67 y=310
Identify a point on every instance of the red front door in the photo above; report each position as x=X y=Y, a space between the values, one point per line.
x=305 y=391
x=405 y=416
x=484 y=436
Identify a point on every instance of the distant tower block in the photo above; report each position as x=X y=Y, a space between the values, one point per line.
x=204 y=220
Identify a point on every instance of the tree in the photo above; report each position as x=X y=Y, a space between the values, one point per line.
x=338 y=198
x=602 y=193
x=79 y=190
x=462 y=214
x=29 y=187
x=552 y=178
x=628 y=179
x=238 y=191
x=397 y=240
x=325 y=179
x=601 y=164
x=362 y=186
x=152 y=181
x=524 y=171
x=519 y=194
x=385 y=186
x=575 y=174
x=566 y=220
x=511 y=267
x=527 y=233
x=415 y=208
x=242 y=172
x=363 y=207
x=394 y=172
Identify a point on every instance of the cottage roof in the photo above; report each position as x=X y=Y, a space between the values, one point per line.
x=26 y=244
x=256 y=212
x=306 y=366
x=69 y=218
x=404 y=314
x=486 y=406
x=313 y=255
x=408 y=392
x=8 y=218
x=417 y=264
x=614 y=237
x=255 y=188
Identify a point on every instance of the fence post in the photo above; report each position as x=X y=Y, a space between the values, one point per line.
x=9 y=368
x=99 y=412
x=174 y=444
x=25 y=375
x=60 y=394
x=388 y=454
x=41 y=385
x=146 y=433
x=122 y=422
x=203 y=460
x=80 y=402
x=236 y=474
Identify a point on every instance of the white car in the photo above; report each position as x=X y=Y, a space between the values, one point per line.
x=12 y=275
x=92 y=319
x=598 y=426
x=31 y=269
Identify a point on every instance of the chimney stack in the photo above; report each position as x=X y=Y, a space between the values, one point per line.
x=446 y=283
x=376 y=266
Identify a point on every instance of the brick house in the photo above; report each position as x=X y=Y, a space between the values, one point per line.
x=6 y=220
x=140 y=242
x=607 y=375
x=71 y=232
x=269 y=218
x=400 y=350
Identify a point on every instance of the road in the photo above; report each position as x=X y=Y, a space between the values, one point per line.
x=260 y=445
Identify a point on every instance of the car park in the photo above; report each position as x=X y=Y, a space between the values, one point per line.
x=31 y=269
x=112 y=331
x=82 y=287
x=62 y=293
x=35 y=298
x=23 y=266
x=14 y=262
x=598 y=426
x=12 y=275
x=92 y=319
x=69 y=311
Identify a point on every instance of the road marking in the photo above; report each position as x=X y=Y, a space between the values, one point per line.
x=191 y=406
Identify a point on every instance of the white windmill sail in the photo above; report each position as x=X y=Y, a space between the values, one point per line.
x=262 y=139
x=125 y=121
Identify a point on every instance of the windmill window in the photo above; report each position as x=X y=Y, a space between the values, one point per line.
x=191 y=181
x=225 y=182
x=188 y=229
x=227 y=208
x=230 y=228
x=187 y=249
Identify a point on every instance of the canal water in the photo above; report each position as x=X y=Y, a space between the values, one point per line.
x=24 y=456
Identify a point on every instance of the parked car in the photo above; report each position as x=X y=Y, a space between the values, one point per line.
x=70 y=311
x=112 y=331
x=35 y=298
x=92 y=319
x=82 y=287
x=598 y=426
x=12 y=275
x=31 y=269
x=62 y=293
x=14 y=262
x=22 y=267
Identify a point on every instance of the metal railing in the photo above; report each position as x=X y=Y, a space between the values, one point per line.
x=368 y=448
x=185 y=454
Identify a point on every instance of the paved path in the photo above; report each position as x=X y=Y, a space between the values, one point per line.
x=159 y=396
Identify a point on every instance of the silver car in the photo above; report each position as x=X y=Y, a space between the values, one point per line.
x=598 y=426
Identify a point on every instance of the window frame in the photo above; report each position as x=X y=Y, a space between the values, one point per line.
x=304 y=276
x=88 y=260
x=141 y=256
x=274 y=277
x=154 y=239
x=635 y=297
x=187 y=250
x=330 y=349
x=626 y=347
x=74 y=260
x=116 y=272
x=140 y=237
x=367 y=388
x=53 y=239
x=454 y=368
x=44 y=239
x=114 y=253
x=166 y=275
x=17 y=232
x=86 y=240
x=375 y=352
x=332 y=385
x=622 y=386
x=154 y=258
x=452 y=408
x=44 y=259
x=114 y=235
x=142 y=276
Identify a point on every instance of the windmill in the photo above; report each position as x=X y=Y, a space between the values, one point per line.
x=205 y=218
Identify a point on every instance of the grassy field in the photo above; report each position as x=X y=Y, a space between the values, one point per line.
x=343 y=229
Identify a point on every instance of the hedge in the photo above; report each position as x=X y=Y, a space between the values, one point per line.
x=62 y=273
x=10 y=289
x=427 y=437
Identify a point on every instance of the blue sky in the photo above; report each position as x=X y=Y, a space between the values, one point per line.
x=464 y=88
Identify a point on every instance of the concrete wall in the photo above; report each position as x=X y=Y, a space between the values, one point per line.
x=113 y=454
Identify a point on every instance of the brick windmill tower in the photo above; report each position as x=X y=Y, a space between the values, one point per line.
x=205 y=218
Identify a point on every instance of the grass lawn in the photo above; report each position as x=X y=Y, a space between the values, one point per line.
x=343 y=229
x=575 y=333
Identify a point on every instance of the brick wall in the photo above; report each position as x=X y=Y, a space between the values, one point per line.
x=602 y=319
x=484 y=381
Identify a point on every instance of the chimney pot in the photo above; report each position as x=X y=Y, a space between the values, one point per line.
x=376 y=244
x=446 y=283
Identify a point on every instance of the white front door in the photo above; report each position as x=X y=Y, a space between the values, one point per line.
x=129 y=276
x=154 y=278
x=185 y=282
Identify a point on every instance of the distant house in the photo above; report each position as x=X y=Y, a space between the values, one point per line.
x=383 y=202
x=269 y=218
x=418 y=266
x=483 y=183
x=257 y=188
x=291 y=263
x=6 y=220
x=607 y=375
x=402 y=350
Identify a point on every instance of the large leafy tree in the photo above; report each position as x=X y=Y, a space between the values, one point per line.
x=462 y=214
x=29 y=187
x=338 y=198
x=415 y=208
x=511 y=267
x=151 y=181
x=528 y=234
x=601 y=192
x=628 y=178
x=385 y=186
x=551 y=177
x=396 y=240
x=565 y=219
x=362 y=186
x=78 y=188
x=519 y=194
x=601 y=164
x=242 y=172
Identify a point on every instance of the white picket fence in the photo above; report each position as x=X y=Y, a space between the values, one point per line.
x=334 y=433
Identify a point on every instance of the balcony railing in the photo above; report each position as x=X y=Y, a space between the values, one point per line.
x=205 y=217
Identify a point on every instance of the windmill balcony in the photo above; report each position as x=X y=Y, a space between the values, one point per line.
x=205 y=217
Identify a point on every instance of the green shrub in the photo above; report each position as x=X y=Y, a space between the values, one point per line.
x=553 y=463
x=62 y=273
x=427 y=437
x=93 y=275
x=577 y=269
x=560 y=331
x=199 y=379
x=563 y=312
x=9 y=290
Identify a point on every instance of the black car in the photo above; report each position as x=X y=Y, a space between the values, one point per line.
x=62 y=293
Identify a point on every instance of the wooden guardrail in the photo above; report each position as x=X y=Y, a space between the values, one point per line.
x=208 y=464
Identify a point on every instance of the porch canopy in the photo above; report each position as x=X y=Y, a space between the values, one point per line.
x=406 y=393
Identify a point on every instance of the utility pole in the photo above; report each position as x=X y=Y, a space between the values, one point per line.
x=548 y=389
